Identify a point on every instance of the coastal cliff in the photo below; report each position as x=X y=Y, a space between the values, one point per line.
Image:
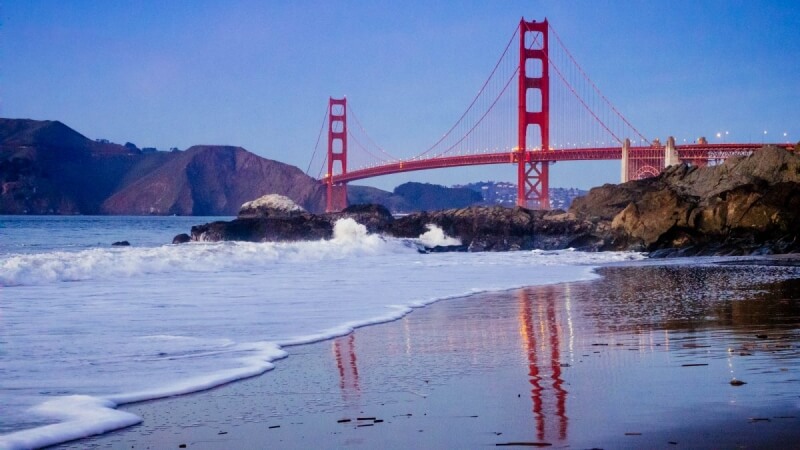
x=48 y=168
x=747 y=205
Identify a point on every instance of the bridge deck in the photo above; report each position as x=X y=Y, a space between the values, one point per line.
x=691 y=152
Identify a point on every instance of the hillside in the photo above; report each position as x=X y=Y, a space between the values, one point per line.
x=212 y=180
x=412 y=197
x=48 y=168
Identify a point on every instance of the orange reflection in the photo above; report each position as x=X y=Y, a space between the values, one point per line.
x=541 y=339
x=344 y=350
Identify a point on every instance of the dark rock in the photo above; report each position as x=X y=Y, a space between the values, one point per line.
x=496 y=228
x=181 y=239
x=445 y=249
x=297 y=228
x=376 y=218
x=274 y=226
x=745 y=206
x=121 y=244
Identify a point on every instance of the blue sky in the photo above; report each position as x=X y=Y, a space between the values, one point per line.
x=258 y=74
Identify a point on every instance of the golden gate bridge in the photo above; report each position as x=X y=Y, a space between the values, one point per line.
x=537 y=107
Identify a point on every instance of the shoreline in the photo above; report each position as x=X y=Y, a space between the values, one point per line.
x=147 y=303
x=421 y=372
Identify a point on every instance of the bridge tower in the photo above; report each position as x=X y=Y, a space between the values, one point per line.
x=336 y=195
x=532 y=176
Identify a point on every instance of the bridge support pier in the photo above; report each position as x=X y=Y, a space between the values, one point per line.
x=626 y=148
x=533 y=176
x=336 y=193
x=670 y=153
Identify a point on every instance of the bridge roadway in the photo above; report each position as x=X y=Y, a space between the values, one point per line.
x=690 y=153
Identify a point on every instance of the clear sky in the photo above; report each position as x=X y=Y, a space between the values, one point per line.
x=258 y=74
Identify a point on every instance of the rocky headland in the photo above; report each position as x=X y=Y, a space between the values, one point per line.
x=746 y=205
x=48 y=168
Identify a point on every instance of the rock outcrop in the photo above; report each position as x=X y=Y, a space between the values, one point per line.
x=744 y=206
x=270 y=205
x=496 y=228
x=747 y=205
x=290 y=225
x=492 y=228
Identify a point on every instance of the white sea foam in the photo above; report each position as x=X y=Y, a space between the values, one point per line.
x=80 y=415
x=435 y=236
x=349 y=239
x=144 y=323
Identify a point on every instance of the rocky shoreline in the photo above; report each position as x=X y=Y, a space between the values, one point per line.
x=744 y=206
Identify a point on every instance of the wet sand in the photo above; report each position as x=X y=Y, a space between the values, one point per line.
x=643 y=358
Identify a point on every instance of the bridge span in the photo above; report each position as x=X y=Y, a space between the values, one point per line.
x=696 y=154
x=530 y=127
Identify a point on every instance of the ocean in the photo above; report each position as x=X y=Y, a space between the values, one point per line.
x=86 y=326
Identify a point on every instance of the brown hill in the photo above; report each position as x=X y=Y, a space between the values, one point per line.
x=213 y=180
x=49 y=168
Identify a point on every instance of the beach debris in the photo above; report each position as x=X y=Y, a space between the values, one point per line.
x=223 y=432
x=735 y=382
x=274 y=426
x=523 y=444
x=694 y=365
x=182 y=446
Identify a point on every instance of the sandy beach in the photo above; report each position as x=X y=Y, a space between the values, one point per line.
x=646 y=357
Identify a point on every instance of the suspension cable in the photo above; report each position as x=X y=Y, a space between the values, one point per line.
x=477 y=96
x=484 y=114
x=583 y=102
x=357 y=142
x=580 y=69
x=391 y=157
x=316 y=146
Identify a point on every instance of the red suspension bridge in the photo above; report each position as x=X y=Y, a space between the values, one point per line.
x=537 y=107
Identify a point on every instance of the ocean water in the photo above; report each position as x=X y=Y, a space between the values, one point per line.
x=85 y=327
